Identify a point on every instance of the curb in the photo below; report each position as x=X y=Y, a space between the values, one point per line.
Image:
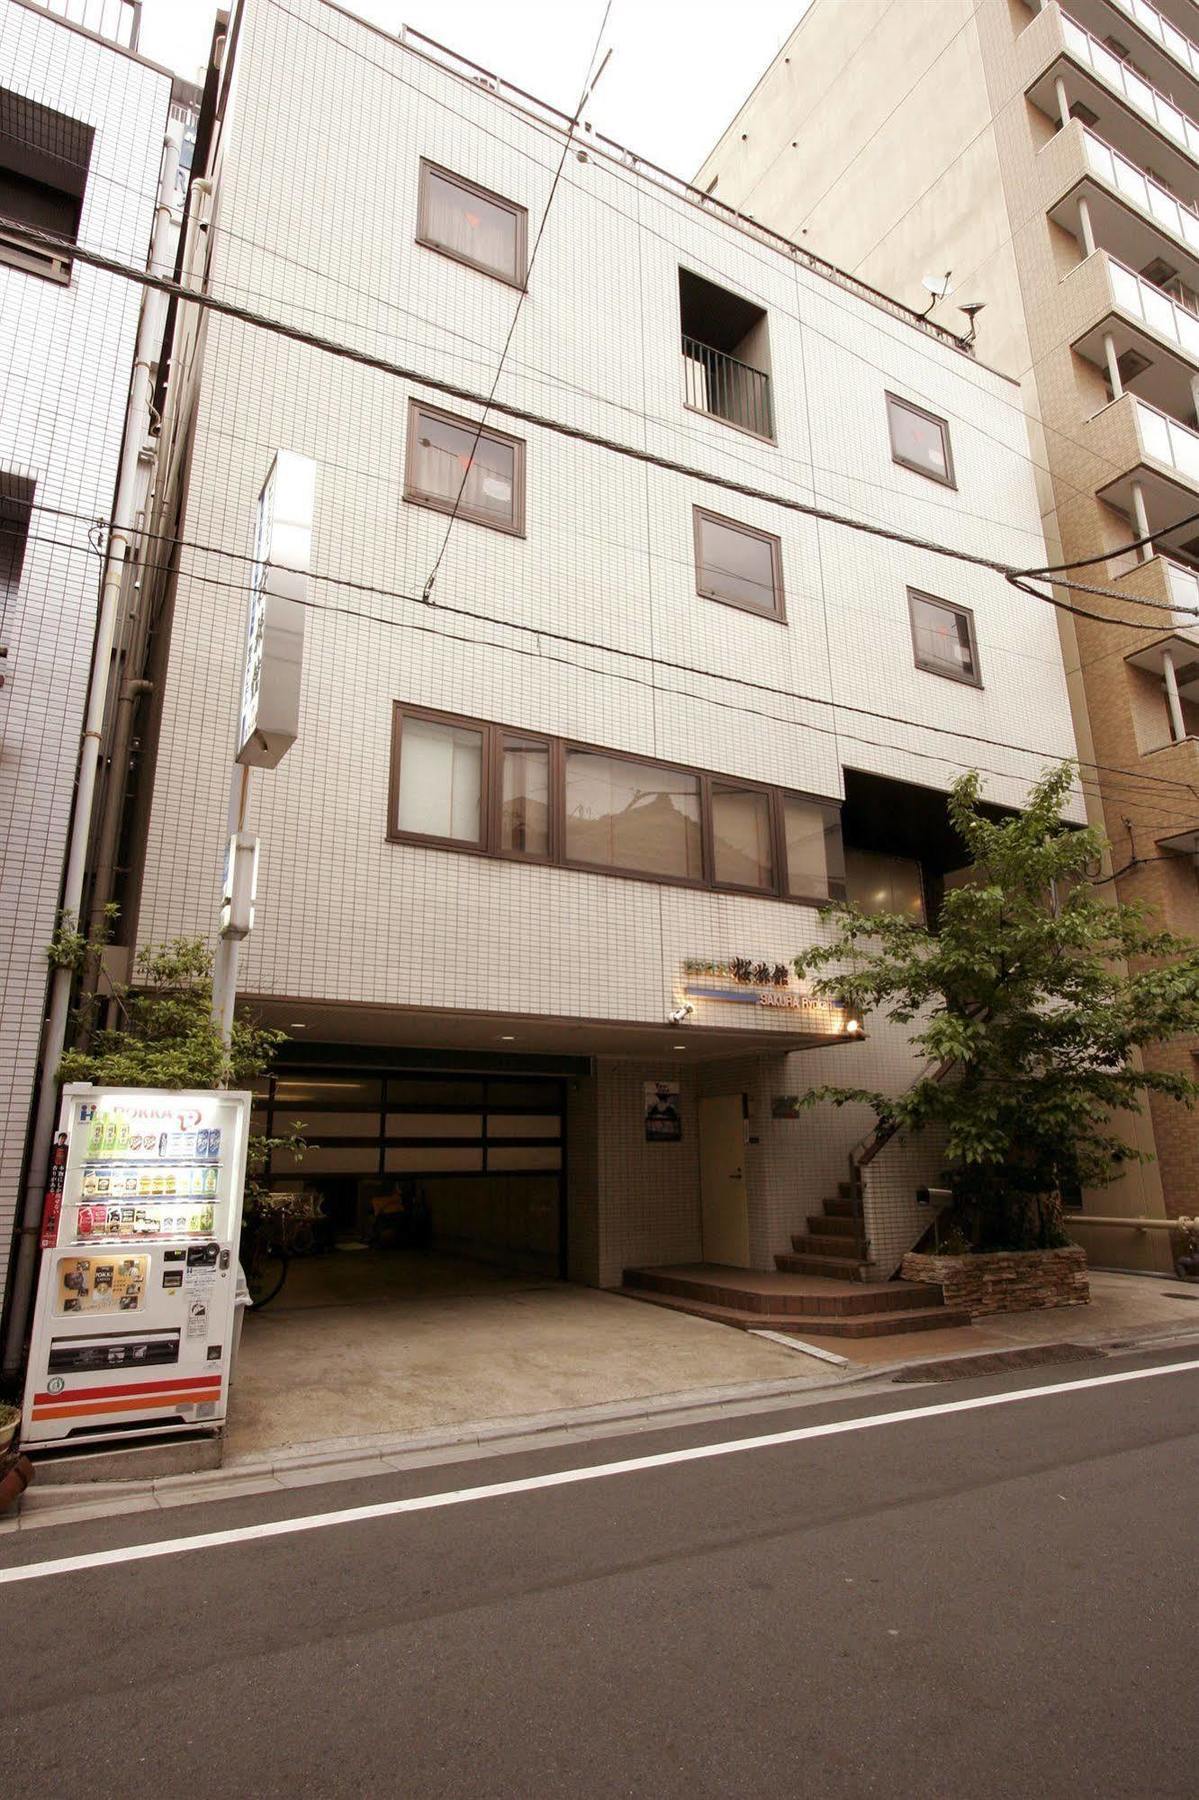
x=343 y=1459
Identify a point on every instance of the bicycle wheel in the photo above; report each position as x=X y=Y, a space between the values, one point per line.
x=266 y=1274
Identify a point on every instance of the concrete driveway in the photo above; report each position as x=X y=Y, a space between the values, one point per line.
x=361 y=1346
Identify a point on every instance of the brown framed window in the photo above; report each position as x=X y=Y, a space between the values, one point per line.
x=743 y=836
x=524 y=801
x=815 y=860
x=622 y=814
x=471 y=224
x=440 y=778
x=738 y=564
x=943 y=638
x=452 y=464
x=920 y=440
x=464 y=784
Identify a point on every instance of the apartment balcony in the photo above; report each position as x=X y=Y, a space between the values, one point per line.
x=1158 y=457
x=1136 y=335
x=1102 y=198
x=1154 y=42
x=725 y=388
x=1058 y=59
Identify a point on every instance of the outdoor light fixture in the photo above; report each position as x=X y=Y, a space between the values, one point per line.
x=682 y=1013
x=853 y=1019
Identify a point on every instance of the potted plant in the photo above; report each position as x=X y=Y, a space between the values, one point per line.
x=10 y=1418
x=1030 y=1003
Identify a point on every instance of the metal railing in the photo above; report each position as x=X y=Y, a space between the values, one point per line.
x=1166 y=441
x=119 y=21
x=1158 y=27
x=716 y=383
x=17 y=253
x=1141 y=191
x=1141 y=300
x=1133 y=87
x=1184 y=591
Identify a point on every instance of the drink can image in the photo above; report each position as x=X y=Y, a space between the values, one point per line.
x=214 y=1141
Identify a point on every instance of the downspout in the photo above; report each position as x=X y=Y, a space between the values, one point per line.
x=141 y=389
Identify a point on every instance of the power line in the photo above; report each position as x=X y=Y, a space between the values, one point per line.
x=1136 y=787
x=384 y=365
x=584 y=93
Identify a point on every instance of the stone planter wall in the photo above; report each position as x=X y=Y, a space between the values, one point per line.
x=1005 y=1280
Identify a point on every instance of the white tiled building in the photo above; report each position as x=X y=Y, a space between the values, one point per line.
x=424 y=920
x=82 y=119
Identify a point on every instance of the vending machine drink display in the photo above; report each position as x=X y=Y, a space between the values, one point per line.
x=134 y=1321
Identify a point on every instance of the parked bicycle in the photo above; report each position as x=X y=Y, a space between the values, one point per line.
x=275 y=1228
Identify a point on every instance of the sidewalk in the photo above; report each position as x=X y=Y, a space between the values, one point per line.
x=658 y=1368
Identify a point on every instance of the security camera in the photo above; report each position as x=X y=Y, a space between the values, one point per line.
x=682 y=1013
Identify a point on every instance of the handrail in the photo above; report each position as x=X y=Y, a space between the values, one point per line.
x=1073 y=1217
x=1139 y=93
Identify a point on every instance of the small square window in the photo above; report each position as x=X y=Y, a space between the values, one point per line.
x=738 y=565
x=471 y=224
x=943 y=637
x=920 y=440
x=452 y=466
x=16 y=507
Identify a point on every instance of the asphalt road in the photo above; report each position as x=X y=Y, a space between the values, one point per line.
x=989 y=1602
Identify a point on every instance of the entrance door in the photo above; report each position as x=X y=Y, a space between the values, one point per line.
x=723 y=1201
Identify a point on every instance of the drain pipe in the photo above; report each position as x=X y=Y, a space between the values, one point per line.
x=141 y=393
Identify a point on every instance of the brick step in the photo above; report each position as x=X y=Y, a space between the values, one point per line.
x=872 y=1296
x=852 y=1325
x=826 y=1246
x=843 y=1207
x=845 y=1190
x=845 y=1268
x=838 y=1225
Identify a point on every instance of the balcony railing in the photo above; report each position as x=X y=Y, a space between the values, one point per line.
x=1136 y=90
x=1162 y=315
x=1158 y=27
x=1141 y=191
x=119 y=21
x=716 y=383
x=1184 y=591
x=1166 y=441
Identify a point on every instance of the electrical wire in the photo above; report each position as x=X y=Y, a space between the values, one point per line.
x=384 y=365
x=584 y=94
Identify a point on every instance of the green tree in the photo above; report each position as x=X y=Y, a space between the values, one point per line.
x=1029 y=1003
x=167 y=1038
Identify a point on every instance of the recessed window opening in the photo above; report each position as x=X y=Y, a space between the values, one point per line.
x=472 y=224
x=44 y=158
x=726 y=355
x=16 y=508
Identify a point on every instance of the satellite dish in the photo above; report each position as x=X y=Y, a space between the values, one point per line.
x=972 y=308
x=939 y=286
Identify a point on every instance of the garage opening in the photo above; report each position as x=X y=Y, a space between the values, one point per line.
x=419 y=1166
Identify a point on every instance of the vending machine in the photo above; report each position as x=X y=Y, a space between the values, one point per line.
x=134 y=1322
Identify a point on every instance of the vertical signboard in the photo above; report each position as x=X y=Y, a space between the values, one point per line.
x=269 y=721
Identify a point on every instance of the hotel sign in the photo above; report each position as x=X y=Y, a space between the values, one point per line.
x=741 y=981
x=269 y=720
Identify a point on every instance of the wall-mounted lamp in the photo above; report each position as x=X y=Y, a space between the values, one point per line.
x=852 y=1026
x=682 y=1013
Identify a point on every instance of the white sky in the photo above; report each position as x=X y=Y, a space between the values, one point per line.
x=679 y=68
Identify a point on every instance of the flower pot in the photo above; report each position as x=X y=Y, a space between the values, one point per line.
x=8 y=1433
x=1004 y=1280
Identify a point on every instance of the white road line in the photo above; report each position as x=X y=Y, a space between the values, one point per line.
x=633 y=1465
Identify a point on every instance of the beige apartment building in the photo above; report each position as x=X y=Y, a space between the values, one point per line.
x=1045 y=159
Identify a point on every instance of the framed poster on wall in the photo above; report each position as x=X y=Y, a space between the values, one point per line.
x=663 y=1113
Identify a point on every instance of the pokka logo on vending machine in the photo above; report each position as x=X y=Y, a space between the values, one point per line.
x=180 y=1118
